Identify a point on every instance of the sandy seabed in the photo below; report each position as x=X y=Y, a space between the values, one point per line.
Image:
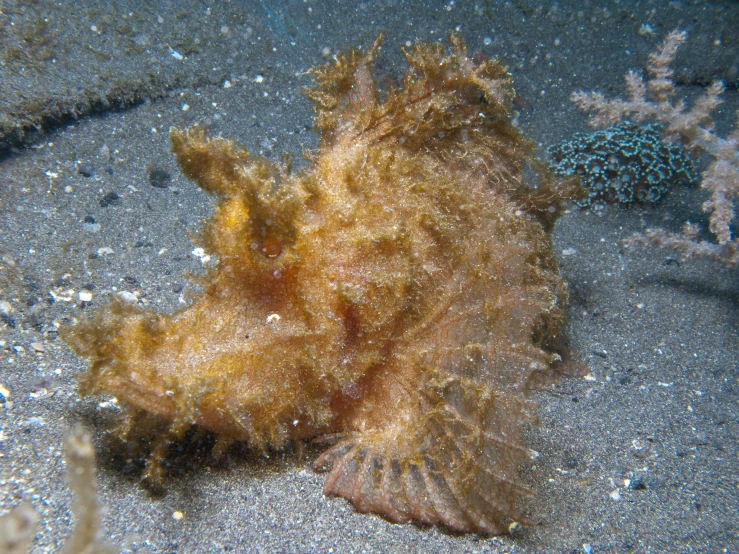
x=639 y=457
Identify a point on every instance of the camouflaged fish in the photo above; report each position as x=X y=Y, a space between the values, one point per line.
x=400 y=295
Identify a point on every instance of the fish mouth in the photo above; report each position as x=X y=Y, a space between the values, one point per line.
x=130 y=388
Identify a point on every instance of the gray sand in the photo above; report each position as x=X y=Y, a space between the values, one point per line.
x=639 y=457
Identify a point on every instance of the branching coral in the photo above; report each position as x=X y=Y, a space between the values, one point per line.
x=401 y=292
x=654 y=100
x=80 y=456
x=18 y=527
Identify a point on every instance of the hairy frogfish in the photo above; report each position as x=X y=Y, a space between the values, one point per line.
x=398 y=294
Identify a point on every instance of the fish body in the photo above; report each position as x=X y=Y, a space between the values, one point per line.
x=401 y=293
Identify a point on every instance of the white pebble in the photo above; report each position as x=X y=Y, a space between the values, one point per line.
x=85 y=296
x=200 y=253
x=128 y=297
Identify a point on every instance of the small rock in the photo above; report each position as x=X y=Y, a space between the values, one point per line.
x=85 y=170
x=159 y=178
x=38 y=347
x=637 y=484
x=128 y=297
x=90 y=225
x=110 y=199
x=643 y=449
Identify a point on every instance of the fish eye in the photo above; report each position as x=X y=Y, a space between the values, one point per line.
x=271 y=247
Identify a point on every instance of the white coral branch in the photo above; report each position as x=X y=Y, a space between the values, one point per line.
x=693 y=128
x=722 y=179
x=688 y=248
x=660 y=67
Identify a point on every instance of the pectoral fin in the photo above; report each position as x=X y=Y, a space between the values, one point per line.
x=453 y=463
